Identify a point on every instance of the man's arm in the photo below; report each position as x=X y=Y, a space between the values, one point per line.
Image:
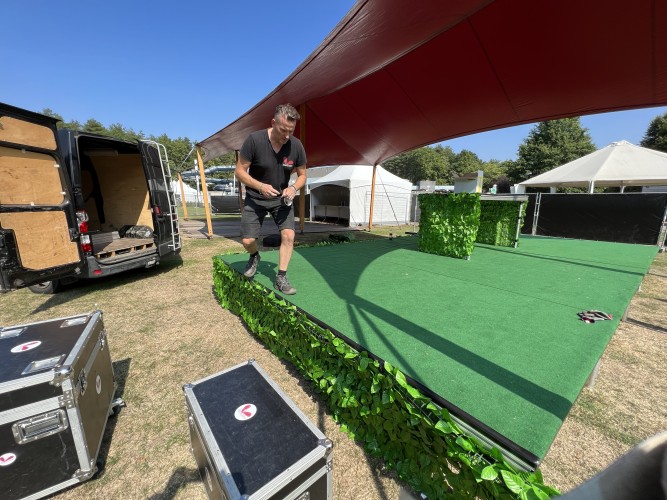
x=300 y=177
x=242 y=174
x=298 y=183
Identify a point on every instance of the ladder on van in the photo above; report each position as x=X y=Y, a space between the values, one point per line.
x=166 y=177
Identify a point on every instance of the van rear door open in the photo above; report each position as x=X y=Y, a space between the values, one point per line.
x=158 y=176
x=38 y=226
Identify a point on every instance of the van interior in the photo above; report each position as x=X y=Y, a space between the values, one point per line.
x=116 y=199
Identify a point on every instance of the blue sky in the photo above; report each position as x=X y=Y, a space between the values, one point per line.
x=188 y=69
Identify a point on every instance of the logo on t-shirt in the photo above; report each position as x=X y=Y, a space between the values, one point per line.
x=287 y=163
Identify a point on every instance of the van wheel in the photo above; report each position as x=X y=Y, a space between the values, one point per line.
x=46 y=287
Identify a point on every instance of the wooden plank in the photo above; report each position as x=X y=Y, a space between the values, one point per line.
x=124 y=191
x=42 y=238
x=122 y=246
x=26 y=133
x=28 y=178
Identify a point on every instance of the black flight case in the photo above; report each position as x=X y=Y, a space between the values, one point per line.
x=251 y=441
x=56 y=392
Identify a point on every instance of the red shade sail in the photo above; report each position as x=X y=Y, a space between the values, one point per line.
x=396 y=75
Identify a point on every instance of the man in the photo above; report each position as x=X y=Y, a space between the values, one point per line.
x=265 y=164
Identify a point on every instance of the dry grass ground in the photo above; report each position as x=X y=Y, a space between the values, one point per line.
x=165 y=328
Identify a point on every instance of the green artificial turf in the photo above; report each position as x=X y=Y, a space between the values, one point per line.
x=497 y=335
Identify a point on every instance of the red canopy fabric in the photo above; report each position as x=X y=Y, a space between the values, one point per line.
x=396 y=75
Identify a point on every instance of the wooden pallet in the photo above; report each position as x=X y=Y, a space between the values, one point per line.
x=121 y=246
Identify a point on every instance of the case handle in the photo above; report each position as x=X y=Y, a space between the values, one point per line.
x=40 y=426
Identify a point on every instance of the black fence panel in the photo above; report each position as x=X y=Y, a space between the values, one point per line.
x=617 y=217
x=530 y=214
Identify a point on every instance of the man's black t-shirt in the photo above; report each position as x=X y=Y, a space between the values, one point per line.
x=270 y=167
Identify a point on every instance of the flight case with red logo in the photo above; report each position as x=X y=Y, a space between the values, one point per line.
x=251 y=441
x=56 y=392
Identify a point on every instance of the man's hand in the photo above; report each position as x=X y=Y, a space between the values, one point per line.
x=267 y=191
x=289 y=192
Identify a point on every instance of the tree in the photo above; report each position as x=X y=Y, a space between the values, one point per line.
x=445 y=166
x=656 y=134
x=397 y=164
x=73 y=125
x=495 y=172
x=226 y=159
x=549 y=145
x=62 y=124
x=467 y=161
x=180 y=152
x=124 y=134
x=416 y=165
x=52 y=114
x=94 y=127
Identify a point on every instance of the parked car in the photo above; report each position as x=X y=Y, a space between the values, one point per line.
x=76 y=205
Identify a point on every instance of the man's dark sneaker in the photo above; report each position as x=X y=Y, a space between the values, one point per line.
x=283 y=285
x=251 y=266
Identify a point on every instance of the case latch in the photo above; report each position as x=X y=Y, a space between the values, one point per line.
x=103 y=339
x=82 y=382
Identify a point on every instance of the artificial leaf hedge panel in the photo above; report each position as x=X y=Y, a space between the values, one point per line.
x=498 y=222
x=448 y=223
x=374 y=403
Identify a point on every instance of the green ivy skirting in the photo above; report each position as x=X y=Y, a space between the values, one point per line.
x=374 y=403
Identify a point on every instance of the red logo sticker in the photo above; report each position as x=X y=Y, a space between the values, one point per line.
x=27 y=346
x=7 y=459
x=287 y=163
x=245 y=412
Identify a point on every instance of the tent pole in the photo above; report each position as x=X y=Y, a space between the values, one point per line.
x=302 y=191
x=591 y=187
x=185 y=207
x=370 y=213
x=204 y=191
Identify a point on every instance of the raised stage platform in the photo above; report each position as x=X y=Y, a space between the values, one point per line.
x=496 y=339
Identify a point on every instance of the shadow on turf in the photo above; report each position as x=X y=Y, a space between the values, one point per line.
x=362 y=310
x=650 y=326
x=582 y=263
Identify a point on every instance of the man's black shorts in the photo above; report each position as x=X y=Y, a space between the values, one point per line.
x=254 y=211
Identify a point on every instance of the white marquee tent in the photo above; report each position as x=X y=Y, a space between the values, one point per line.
x=191 y=194
x=345 y=194
x=618 y=164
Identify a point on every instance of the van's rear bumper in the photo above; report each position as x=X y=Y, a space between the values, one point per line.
x=97 y=269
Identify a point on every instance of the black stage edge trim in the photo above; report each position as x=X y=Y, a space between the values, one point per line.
x=530 y=460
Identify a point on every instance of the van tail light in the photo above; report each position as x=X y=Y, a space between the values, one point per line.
x=157 y=210
x=86 y=246
x=82 y=220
